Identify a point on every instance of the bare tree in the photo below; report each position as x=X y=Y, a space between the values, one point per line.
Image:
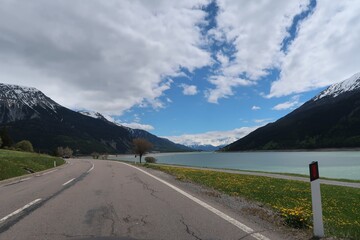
x=141 y=146
x=60 y=151
x=68 y=152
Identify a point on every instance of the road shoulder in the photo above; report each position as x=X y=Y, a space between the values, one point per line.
x=251 y=213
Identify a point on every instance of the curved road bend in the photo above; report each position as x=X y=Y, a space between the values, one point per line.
x=94 y=199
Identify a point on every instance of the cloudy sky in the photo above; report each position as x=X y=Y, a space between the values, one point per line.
x=196 y=71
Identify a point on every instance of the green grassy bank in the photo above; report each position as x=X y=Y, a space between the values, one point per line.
x=290 y=199
x=13 y=163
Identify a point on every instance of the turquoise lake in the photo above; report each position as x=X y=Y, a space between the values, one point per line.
x=342 y=164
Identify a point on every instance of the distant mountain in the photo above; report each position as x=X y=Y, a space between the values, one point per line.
x=206 y=148
x=160 y=144
x=329 y=120
x=30 y=114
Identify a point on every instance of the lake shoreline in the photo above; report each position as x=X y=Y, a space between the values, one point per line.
x=295 y=150
x=332 y=164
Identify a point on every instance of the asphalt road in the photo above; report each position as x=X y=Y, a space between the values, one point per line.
x=88 y=199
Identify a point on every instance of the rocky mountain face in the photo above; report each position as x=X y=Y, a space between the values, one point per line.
x=19 y=103
x=329 y=120
x=29 y=114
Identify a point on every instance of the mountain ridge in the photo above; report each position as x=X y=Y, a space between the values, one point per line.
x=30 y=114
x=331 y=119
x=135 y=133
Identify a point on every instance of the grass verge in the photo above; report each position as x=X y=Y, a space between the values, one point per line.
x=291 y=199
x=15 y=163
x=277 y=173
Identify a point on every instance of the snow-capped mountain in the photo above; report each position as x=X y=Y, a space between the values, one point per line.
x=159 y=143
x=19 y=103
x=348 y=85
x=206 y=148
x=96 y=115
x=329 y=120
x=30 y=114
x=106 y=118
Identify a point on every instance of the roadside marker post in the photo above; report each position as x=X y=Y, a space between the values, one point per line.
x=316 y=200
x=54 y=163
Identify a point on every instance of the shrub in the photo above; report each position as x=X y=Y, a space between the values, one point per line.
x=150 y=160
x=68 y=152
x=95 y=155
x=25 y=146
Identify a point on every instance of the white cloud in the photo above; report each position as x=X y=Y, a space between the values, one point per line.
x=223 y=59
x=189 y=89
x=111 y=55
x=215 y=138
x=136 y=125
x=256 y=31
x=224 y=87
x=255 y=108
x=325 y=51
x=293 y=103
x=265 y=120
x=102 y=55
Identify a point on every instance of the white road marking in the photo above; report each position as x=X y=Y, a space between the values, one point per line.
x=20 y=210
x=49 y=172
x=91 y=168
x=231 y=220
x=45 y=173
x=25 y=179
x=69 y=181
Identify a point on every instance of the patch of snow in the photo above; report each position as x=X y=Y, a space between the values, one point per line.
x=335 y=90
x=89 y=113
x=27 y=96
x=96 y=115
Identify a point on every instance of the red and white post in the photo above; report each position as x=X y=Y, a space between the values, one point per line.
x=316 y=200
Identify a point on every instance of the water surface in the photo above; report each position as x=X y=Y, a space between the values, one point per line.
x=344 y=164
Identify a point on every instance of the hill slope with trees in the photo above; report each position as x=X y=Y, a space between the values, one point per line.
x=329 y=120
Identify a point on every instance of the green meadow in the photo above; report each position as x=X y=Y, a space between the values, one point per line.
x=290 y=199
x=16 y=163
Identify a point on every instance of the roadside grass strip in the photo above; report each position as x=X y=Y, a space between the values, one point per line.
x=15 y=163
x=290 y=199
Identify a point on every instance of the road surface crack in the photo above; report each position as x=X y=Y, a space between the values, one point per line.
x=182 y=220
x=147 y=187
x=97 y=218
x=110 y=216
x=134 y=222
